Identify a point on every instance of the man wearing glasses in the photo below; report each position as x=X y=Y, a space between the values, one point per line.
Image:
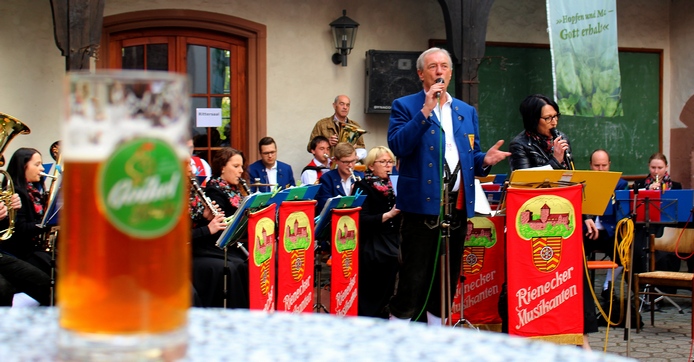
x=268 y=170
x=434 y=136
x=339 y=181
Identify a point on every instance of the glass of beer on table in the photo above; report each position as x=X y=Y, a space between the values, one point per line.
x=123 y=260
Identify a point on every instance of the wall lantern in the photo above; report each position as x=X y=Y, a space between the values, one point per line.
x=344 y=33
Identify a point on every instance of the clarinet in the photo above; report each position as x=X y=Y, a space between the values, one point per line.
x=203 y=197
x=245 y=191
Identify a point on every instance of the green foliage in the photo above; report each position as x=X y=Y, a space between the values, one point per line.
x=479 y=241
x=300 y=244
x=588 y=85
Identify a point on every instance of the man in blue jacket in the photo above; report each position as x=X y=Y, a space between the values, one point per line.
x=341 y=180
x=600 y=230
x=268 y=170
x=434 y=136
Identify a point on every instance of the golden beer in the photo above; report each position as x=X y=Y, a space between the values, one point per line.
x=123 y=267
x=110 y=282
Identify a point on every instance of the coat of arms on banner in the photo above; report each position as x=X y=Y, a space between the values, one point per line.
x=297 y=239
x=263 y=251
x=546 y=221
x=480 y=235
x=346 y=242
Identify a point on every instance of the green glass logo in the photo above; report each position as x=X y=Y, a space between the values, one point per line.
x=140 y=188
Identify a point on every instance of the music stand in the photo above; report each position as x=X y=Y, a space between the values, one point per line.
x=322 y=231
x=598 y=186
x=236 y=230
x=50 y=218
x=648 y=208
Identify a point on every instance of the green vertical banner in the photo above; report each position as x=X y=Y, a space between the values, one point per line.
x=585 y=62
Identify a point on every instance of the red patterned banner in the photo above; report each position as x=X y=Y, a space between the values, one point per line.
x=483 y=269
x=261 y=259
x=295 y=257
x=344 y=273
x=545 y=270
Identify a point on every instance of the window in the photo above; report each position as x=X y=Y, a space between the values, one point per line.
x=214 y=51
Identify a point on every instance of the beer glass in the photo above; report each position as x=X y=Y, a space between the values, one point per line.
x=123 y=260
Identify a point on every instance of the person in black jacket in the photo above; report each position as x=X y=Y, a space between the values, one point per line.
x=536 y=146
x=18 y=276
x=205 y=222
x=379 y=226
x=540 y=145
x=25 y=168
x=224 y=189
x=658 y=179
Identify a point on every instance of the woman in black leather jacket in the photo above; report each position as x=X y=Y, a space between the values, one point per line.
x=541 y=144
x=536 y=146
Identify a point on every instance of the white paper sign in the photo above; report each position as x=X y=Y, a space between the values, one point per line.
x=208 y=117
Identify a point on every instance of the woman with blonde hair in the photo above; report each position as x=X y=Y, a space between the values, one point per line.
x=379 y=226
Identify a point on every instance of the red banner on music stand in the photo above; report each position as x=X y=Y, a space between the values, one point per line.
x=295 y=256
x=261 y=259
x=653 y=197
x=344 y=272
x=483 y=269
x=545 y=270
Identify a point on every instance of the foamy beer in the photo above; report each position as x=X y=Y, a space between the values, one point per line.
x=124 y=259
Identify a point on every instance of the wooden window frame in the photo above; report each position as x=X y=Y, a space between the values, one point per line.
x=255 y=35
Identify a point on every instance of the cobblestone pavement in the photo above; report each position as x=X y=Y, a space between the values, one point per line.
x=669 y=339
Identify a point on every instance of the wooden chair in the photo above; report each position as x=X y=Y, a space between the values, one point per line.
x=654 y=278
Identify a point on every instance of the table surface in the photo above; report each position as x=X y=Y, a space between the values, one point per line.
x=29 y=334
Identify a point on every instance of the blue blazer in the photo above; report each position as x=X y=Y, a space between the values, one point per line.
x=330 y=186
x=285 y=176
x=418 y=142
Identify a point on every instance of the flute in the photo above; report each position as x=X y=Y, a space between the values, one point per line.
x=47 y=175
x=354 y=177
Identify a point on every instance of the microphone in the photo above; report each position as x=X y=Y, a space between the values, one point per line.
x=438 y=80
x=555 y=134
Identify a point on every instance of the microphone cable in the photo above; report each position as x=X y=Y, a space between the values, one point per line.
x=439 y=241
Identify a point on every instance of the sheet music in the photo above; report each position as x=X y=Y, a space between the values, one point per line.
x=481 y=202
x=394 y=182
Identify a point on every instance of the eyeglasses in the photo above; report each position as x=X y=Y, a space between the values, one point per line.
x=348 y=162
x=549 y=119
x=385 y=162
x=268 y=153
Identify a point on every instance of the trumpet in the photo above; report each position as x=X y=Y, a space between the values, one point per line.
x=203 y=197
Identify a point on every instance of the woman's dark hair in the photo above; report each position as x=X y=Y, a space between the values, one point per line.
x=531 y=110
x=221 y=158
x=17 y=166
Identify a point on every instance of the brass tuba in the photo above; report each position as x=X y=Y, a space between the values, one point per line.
x=9 y=128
